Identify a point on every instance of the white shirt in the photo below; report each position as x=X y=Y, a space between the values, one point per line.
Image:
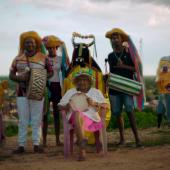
x=93 y=93
x=56 y=66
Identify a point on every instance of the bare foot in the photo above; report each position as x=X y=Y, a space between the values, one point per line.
x=98 y=147
x=81 y=156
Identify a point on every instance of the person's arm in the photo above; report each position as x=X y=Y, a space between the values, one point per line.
x=49 y=68
x=98 y=105
x=97 y=100
x=64 y=107
x=20 y=77
x=64 y=103
x=124 y=66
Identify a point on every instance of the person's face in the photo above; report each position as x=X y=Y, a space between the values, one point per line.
x=52 y=51
x=30 y=45
x=116 y=40
x=83 y=83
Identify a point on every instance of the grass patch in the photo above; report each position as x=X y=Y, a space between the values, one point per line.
x=162 y=137
x=11 y=130
x=144 y=119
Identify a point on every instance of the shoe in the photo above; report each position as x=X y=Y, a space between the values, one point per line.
x=19 y=150
x=139 y=145
x=38 y=149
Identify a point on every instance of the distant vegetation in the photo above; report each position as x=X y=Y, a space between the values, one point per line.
x=150 y=86
x=12 y=84
x=145 y=119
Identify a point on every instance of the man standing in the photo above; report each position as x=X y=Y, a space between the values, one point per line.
x=29 y=110
x=121 y=63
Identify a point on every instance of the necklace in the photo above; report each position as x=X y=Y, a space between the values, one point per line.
x=119 y=57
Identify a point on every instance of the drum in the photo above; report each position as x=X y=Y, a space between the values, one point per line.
x=124 y=85
x=37 y=84
x=79 y=102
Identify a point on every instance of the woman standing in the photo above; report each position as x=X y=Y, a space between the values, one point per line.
x=55 y=49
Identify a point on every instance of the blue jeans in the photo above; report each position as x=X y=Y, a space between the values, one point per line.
x=118 y=101
x=164 y=106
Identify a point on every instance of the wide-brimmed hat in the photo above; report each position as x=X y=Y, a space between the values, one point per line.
x=119 y=31
x=52 y=41
x=30 y=34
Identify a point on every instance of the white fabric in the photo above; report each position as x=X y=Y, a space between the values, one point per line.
x=93 y=93
x=29 y=111
x=56 y=66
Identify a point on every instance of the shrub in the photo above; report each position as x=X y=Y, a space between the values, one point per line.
x=144 y=119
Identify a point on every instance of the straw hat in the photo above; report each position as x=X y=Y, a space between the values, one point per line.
x=119 y=31
x=30 y=34
x=52 y=41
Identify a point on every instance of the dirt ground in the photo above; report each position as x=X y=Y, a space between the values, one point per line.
x=118 y=158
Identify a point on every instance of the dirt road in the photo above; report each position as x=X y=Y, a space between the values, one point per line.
x=118 y=158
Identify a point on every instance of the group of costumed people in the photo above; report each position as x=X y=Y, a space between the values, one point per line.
x=50 y=53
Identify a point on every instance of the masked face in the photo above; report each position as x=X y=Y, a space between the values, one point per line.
x=30 y=46
x=163 y=76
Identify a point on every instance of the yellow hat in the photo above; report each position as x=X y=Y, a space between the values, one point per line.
x=30 y=34
x=119 y=31
x=52 y=41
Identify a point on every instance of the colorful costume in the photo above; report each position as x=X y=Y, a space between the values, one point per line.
x=124 y=62
x=83 y=109
x=59 y=65
x=131 y=58
x=163 y=85
x=82 y=59
x=29 y=110
x=91 y=117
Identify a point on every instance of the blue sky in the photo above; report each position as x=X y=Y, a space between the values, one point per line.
x=146 y=20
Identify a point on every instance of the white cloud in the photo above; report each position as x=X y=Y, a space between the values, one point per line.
x=159 y=16
x=141 y=19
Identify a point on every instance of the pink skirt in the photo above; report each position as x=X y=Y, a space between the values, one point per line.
x=88 y=124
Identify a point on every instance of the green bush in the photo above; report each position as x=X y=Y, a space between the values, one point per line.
x=11 y=130
x=144 y=119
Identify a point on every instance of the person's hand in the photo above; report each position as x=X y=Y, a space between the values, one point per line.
x=24 y=76
x=90 y=101
x=65 y=107
x=104 y=106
